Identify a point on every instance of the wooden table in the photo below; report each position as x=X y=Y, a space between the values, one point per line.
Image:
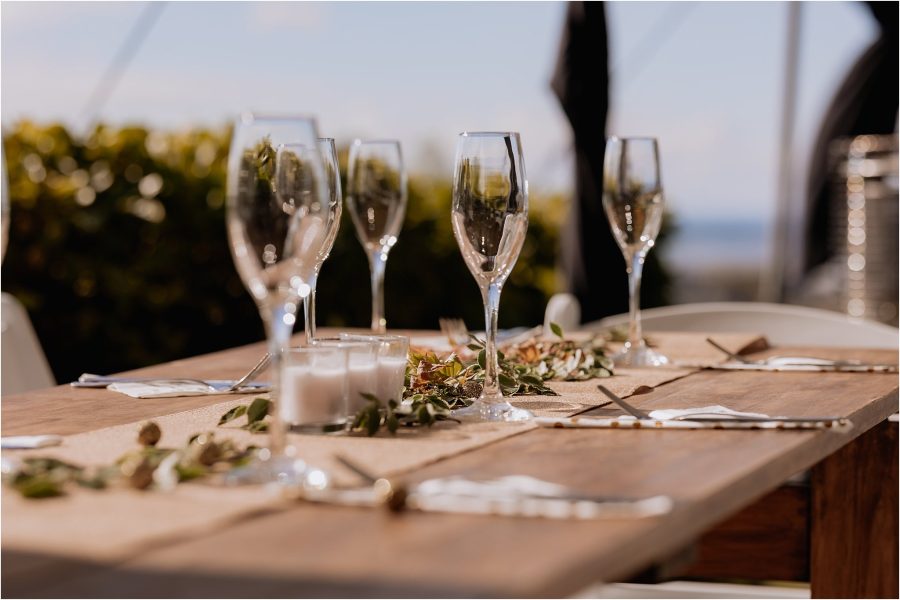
x=715 y=477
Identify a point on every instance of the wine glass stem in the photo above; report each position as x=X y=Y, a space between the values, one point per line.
x=491 y=297
x=279 y=326
x=309 y=310
x=635 y=268
x=377 y=262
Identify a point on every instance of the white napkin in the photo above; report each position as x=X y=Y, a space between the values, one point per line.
x=162 y=390
x=513 y=496
x=706 y=411
x=502 y=487
x=524 y=496
x=815 y=365
x=26 y=442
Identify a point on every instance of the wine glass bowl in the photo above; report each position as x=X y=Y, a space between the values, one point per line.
x=376 y=200
x=633 y=202
x=333 y=181
x=277 y=212
x=490 y=218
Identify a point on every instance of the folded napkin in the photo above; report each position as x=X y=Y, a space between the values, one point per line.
x=26 y=442
x=707 y=417
x=172 y=389
x=524 y=496
x=812 y=366
x=512 y=496
x=706 y=411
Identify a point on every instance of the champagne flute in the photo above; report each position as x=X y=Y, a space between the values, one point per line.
x=490 y=218
x=633 y=200
x=4 y=206
x=376 y=198
x=277 y=212
x=333 y=178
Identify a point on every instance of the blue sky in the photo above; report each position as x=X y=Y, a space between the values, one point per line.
x=708 y=87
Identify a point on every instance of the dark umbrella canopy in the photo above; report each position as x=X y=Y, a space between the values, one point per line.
x=591 y=259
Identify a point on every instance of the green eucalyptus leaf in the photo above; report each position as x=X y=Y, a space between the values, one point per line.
x=424 y=416
x=373 y=420
x=258 y=427
x=189 y=471
x=234 y=413
x=392 y=423
x=258 y=410
x=39 y=486
x=557 y=330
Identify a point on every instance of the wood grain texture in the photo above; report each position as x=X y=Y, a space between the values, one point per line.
x=332 y=551
x=854 y=526
x=768 y=540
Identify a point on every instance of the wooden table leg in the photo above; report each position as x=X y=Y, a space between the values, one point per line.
x=853 y=546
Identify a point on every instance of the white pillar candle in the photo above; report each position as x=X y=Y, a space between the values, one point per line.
x=363 y=378
x=391 y=377
x=313 y=395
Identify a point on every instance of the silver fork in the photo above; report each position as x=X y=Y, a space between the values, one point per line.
x=454 y=330
x=729 y=353
x=252 y=373
x=631 y=410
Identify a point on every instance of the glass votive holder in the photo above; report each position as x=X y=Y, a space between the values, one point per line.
x=314 y=388
x=392 y=359
x=362 y=369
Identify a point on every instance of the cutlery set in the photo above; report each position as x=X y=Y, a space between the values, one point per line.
x=241 y=385
x=709 y=417
x=797 y=363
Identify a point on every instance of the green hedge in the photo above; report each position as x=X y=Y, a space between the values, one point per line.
x=118 y=251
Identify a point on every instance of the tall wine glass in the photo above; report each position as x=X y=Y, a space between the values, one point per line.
x=633 y=200
x=277 y=215
x=490 y=218
x=333 y=178
x=376 y=198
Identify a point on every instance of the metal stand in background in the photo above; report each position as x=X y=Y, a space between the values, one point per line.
x=772 y=279
x=861 y=279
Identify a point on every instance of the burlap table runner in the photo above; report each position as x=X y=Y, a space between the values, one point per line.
x=114 y=524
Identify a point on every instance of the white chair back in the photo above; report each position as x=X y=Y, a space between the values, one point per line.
x=782 y=324
x=24 y=366
x=564 y=310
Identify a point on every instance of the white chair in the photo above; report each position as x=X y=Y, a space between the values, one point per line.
x=24 y=366
x=564 y=310
x=782 y=324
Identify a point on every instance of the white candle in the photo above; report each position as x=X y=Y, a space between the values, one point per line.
x=363 y=378
x=313 y=395
x=391 y=376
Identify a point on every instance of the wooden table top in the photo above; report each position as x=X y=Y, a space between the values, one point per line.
x=330 y=551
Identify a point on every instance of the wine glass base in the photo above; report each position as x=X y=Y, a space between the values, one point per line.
x=639 y=356
x=486 y=410
x=284 y=471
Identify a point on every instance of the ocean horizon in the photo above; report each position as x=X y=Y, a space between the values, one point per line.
x=701 y=244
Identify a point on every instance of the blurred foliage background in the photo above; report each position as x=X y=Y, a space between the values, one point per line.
x=117 y=249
